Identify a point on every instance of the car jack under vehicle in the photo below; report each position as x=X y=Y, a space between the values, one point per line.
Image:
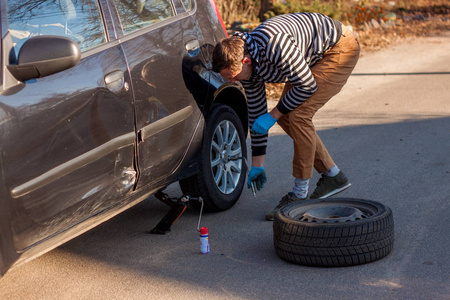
x=177 y=208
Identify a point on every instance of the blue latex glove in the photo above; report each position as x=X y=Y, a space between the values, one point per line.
x=263 y=123
x=258 y=176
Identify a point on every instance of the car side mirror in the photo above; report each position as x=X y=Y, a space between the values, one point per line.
x=45 y=55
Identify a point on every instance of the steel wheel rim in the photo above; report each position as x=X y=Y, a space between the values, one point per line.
x=333 y=212
x=225 y=156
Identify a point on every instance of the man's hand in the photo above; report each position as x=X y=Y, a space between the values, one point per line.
x=263 y=123
x=258 y=176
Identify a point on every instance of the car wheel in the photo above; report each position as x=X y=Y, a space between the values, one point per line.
x=222 y=167
x=333 y=232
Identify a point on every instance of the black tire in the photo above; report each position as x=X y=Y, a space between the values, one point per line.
x=222 y=169
x=336 y=232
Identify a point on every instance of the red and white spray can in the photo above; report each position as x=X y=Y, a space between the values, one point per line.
x=204 y=240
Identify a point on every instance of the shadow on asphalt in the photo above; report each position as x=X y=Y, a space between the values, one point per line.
x=403 y=165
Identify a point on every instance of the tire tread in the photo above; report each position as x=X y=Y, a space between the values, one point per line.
x=334 y=245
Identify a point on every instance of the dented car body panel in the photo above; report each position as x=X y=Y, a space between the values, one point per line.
x=81 y=144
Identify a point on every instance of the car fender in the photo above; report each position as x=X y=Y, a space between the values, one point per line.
x=233 y=95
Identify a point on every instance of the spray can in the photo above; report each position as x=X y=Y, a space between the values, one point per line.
x=204 y=240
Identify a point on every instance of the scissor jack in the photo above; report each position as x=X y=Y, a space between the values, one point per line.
x=177 y=208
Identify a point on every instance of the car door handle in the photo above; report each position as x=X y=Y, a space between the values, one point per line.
x=114 y=81
x=192 y=45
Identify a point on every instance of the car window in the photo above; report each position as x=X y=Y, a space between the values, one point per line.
x=1 y=54
x=136 y=14
x=80 y=20
x=187 y=4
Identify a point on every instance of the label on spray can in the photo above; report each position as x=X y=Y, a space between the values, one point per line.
x=204 y=240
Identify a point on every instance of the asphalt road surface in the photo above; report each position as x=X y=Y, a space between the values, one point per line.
x=388 y=130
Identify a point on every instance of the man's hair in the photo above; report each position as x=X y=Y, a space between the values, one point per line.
x=228 y=54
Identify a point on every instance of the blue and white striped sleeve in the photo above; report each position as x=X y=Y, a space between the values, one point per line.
x=285 y=55
x=257 y=105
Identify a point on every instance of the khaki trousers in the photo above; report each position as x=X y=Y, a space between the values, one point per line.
x=330 y=73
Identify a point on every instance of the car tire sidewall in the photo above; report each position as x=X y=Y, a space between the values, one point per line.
x=333 y=244
x=213 y=198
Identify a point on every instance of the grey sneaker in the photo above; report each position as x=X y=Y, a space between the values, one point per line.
x=288 y=199
x=329 y=186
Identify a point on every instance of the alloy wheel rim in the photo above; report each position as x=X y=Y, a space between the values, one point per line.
x=225 y=155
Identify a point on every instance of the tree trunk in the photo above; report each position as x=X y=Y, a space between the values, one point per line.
x=265 y=7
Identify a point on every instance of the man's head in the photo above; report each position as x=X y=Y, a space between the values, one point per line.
x=231 y=59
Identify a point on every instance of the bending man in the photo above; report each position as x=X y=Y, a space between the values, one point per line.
x=314 y=56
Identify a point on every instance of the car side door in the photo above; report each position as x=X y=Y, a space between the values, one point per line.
x=67 y=140
x=162 y=46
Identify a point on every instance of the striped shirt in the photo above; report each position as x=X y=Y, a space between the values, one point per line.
x=283 y=49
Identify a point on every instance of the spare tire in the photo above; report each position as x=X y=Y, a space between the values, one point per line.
x=335 y=232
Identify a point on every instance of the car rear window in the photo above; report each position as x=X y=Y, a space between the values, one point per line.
x=79 y=20
x=137 y=14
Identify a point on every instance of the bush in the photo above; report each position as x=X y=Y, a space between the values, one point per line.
x=332 y=8
x=359 y=14
x=238 y=10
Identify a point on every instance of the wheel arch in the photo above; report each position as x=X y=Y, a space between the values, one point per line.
x=233 y=95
